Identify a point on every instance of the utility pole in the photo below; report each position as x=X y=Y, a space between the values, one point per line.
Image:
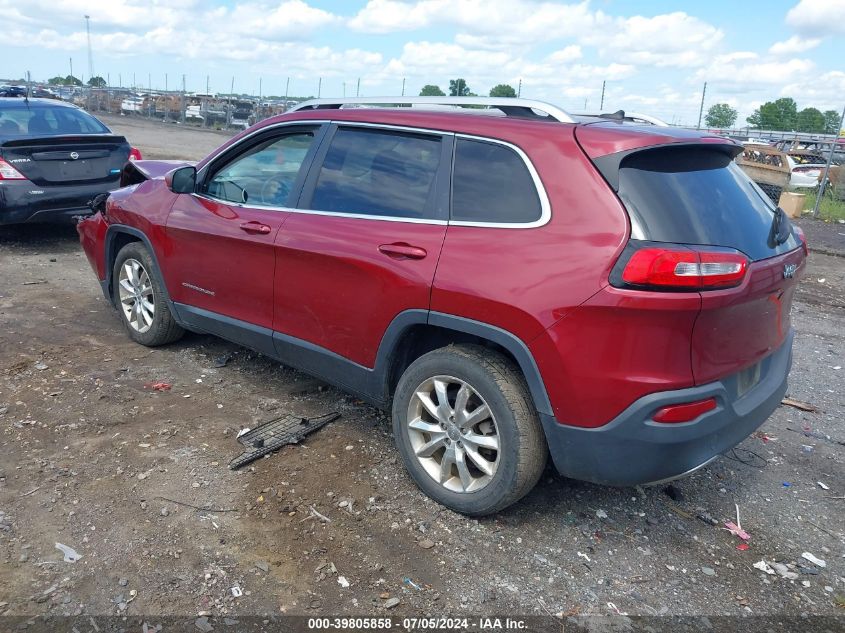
x=182 y=105
x=287 y=91
x=166 y=100
x=601 y=105
x=207 y=89
x=701 y=109
x=358 y=89
x=71 y=66
x=150 y=95
x=519 y=90
x=28 y=86
x=90 y=56
x=229 y=105
x=344 y=89
x=827 y=166
x=403 y=86
x=319 y=87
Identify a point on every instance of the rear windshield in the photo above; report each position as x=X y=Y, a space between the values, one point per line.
x=697 y=196
x=17 y=122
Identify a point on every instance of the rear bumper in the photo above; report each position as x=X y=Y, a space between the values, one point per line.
x=633 y=449
x=24 y=201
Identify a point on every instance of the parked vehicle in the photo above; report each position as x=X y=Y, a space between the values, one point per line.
x=54 y=158
x=804 y=175
x=12 y=91
x=616 y=295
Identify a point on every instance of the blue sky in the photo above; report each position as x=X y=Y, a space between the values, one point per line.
x=655 y=56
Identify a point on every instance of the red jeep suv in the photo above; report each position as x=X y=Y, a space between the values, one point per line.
x=512 y=281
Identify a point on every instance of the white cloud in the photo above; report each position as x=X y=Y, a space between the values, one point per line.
x=745 y=70
x=794 y=44
x=818 y=17
x=668 y=40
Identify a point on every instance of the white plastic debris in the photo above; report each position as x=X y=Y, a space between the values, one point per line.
x=236 y=591
x=71 y=555
x=584 y=556
x=823 y=486
x=243 y=432
x=601 y=514
x=341 y=580
x=764 y=566
x=813 y=559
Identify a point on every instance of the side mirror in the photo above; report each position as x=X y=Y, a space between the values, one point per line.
x=182 y=180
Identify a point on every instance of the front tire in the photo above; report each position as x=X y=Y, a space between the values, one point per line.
x=467 y=430
x=140 y=298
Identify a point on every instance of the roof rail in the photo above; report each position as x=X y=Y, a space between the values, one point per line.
x=622 y=115
x=526 y=108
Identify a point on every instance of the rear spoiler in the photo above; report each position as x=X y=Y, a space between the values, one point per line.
x=60 y=139
x=138 y=171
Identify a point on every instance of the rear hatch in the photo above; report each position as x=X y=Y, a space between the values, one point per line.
x=67 y=160
x=724 y=238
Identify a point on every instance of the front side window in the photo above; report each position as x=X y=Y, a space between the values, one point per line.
x=379 y=173
x=265 y=174
x=491 y=183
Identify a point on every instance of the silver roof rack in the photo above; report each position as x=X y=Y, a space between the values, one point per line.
x=526 y=108
x=634 y=117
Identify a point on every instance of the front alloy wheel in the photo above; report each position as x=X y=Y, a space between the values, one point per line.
x=453 y=434
x=137 y=299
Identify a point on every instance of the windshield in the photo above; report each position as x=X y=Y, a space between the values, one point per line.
x=698 y=196
x=48 y=120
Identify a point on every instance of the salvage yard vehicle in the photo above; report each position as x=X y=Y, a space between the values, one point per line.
x=511 y=286
x=54 y=158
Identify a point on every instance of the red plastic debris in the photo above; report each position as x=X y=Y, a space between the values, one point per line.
x=742 y=547
x=736 y=530
x=158 y=386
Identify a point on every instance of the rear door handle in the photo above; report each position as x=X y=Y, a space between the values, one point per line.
x=255 y=227
x=401 y=250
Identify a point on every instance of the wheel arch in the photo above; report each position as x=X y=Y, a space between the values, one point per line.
x=416 y=332
x=118 y=236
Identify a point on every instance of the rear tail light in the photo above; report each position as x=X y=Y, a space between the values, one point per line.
x=135 y=154
x=676 y=267
x=7 y=172
x=686 y=412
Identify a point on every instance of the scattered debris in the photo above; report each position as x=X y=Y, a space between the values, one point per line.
x=243 y=431
x=784 y=572
x=426 y=543
x=41 y=366
x=764 y=567
x=158 y=386
x=742 y=547
x=823 y=486
x=341 y=580
x=798 y=404
x=601 y=514
x=272 y=435
x=736 y=530
x=708 y=571
x=411 y=583
x=584 y=556
x=222 y=361
x=707 y=518
x=816 y=561
x=236 y=591
x=71 y=555
x=391 y=602
x=322 y=517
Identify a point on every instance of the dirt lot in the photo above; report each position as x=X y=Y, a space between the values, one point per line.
x=92 y=458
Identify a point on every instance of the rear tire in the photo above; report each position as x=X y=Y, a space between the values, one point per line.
x=467 y=430
x=140 y=298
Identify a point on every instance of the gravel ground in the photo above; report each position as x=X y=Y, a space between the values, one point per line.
x=92 y=458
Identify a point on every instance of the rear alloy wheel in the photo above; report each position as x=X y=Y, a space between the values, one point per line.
x=466 y=428
x=140 y=298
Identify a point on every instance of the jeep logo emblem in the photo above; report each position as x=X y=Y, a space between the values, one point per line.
x=74 y=155
x=789 y=270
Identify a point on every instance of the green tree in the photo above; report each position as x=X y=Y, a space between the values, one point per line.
x=831 y=122
x=458 y=88
x=97 y=82
x=430 y=90
x=56 y=81
x=502 y=90
x=776 y=115
x=70 y=80
x=811 y=120
x=720 y=115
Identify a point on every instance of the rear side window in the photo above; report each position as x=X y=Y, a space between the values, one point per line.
x=379 y=173
x=697 y=196
x=491 y=183
x=47 y=121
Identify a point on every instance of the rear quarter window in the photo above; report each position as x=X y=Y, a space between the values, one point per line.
x=491 y=183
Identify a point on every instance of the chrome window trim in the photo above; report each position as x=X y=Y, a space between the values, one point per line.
x=545 y=206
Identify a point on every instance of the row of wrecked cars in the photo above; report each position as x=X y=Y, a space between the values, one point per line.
x=793 y=165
